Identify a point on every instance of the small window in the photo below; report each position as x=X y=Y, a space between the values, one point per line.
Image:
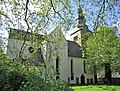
x=57 y=77
x=68 y=50
x=72 y=77
x=31 y=49
x=76 y=38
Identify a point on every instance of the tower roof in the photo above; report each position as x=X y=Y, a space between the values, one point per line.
x=80 y=19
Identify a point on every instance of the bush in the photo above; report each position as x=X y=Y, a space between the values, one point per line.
x=36 y=83
x=58 y=85
x=11 y=76
x=14 y=76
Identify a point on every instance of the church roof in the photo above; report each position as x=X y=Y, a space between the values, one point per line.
x=74 y=49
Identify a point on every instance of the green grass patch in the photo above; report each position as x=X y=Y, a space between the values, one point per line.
x=96 y=88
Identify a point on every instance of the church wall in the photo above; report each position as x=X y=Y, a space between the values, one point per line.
x=78 y=70
x=60 y=50
x=14 y=46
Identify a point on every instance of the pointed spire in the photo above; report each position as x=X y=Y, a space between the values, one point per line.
x=80 y=19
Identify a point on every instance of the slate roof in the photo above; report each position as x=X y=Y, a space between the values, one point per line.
x=74 y=49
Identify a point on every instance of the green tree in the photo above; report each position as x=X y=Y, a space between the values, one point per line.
x=103 y=51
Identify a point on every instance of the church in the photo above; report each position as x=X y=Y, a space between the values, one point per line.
x=66 y=58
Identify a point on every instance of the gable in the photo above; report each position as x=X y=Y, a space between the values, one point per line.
x=15 y=42
x=57 y=34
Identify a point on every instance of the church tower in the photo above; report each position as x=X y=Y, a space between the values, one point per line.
x=79 y=35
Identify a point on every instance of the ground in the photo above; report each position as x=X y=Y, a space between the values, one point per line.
x=96 y=88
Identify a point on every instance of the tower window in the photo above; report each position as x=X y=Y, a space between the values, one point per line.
x=75 y=38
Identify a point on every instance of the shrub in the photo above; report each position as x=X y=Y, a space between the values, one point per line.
x=10 y=75
x=14 y=76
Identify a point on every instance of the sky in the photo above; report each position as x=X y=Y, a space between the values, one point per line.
x=5 y=34
x=112 y=22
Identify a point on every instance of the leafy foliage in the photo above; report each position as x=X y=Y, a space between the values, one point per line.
x=11 y=76
x=15 y=76
x=103 y=47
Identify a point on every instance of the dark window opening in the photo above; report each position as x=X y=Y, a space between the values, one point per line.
x=82 y=79
x=57 y=65
x=72 y=77
x=76 y=38
x=71 y=67
x=57 y=77
x=84 y=66
x=31 y=49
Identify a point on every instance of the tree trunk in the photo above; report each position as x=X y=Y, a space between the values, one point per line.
x=95 y=75
x=108 y=78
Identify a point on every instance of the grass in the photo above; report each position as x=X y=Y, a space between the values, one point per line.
x=96 y=88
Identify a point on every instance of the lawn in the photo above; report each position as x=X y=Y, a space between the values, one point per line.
x=96 y=88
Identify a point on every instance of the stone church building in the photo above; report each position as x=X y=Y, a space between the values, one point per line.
x=66 y=56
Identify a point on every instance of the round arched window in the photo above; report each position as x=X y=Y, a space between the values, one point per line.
x=31 y=49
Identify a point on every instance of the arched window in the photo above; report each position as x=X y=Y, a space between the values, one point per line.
x=31 y=49
x=57 y=65
x=72 y=75
x=57 y=68
x=84 y=66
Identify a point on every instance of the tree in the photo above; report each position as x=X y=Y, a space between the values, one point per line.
x=103 y=51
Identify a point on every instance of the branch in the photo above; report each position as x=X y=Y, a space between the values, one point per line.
x=47 y=17
x=26 y=12
x=99 y=13
x=56 y=11
x=6 y=17
x=64 y=4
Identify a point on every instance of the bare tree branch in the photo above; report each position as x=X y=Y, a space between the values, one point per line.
x=101 y=11
x=64 y=4
x=6 y=16
x=28 y=27
x=56 y=11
